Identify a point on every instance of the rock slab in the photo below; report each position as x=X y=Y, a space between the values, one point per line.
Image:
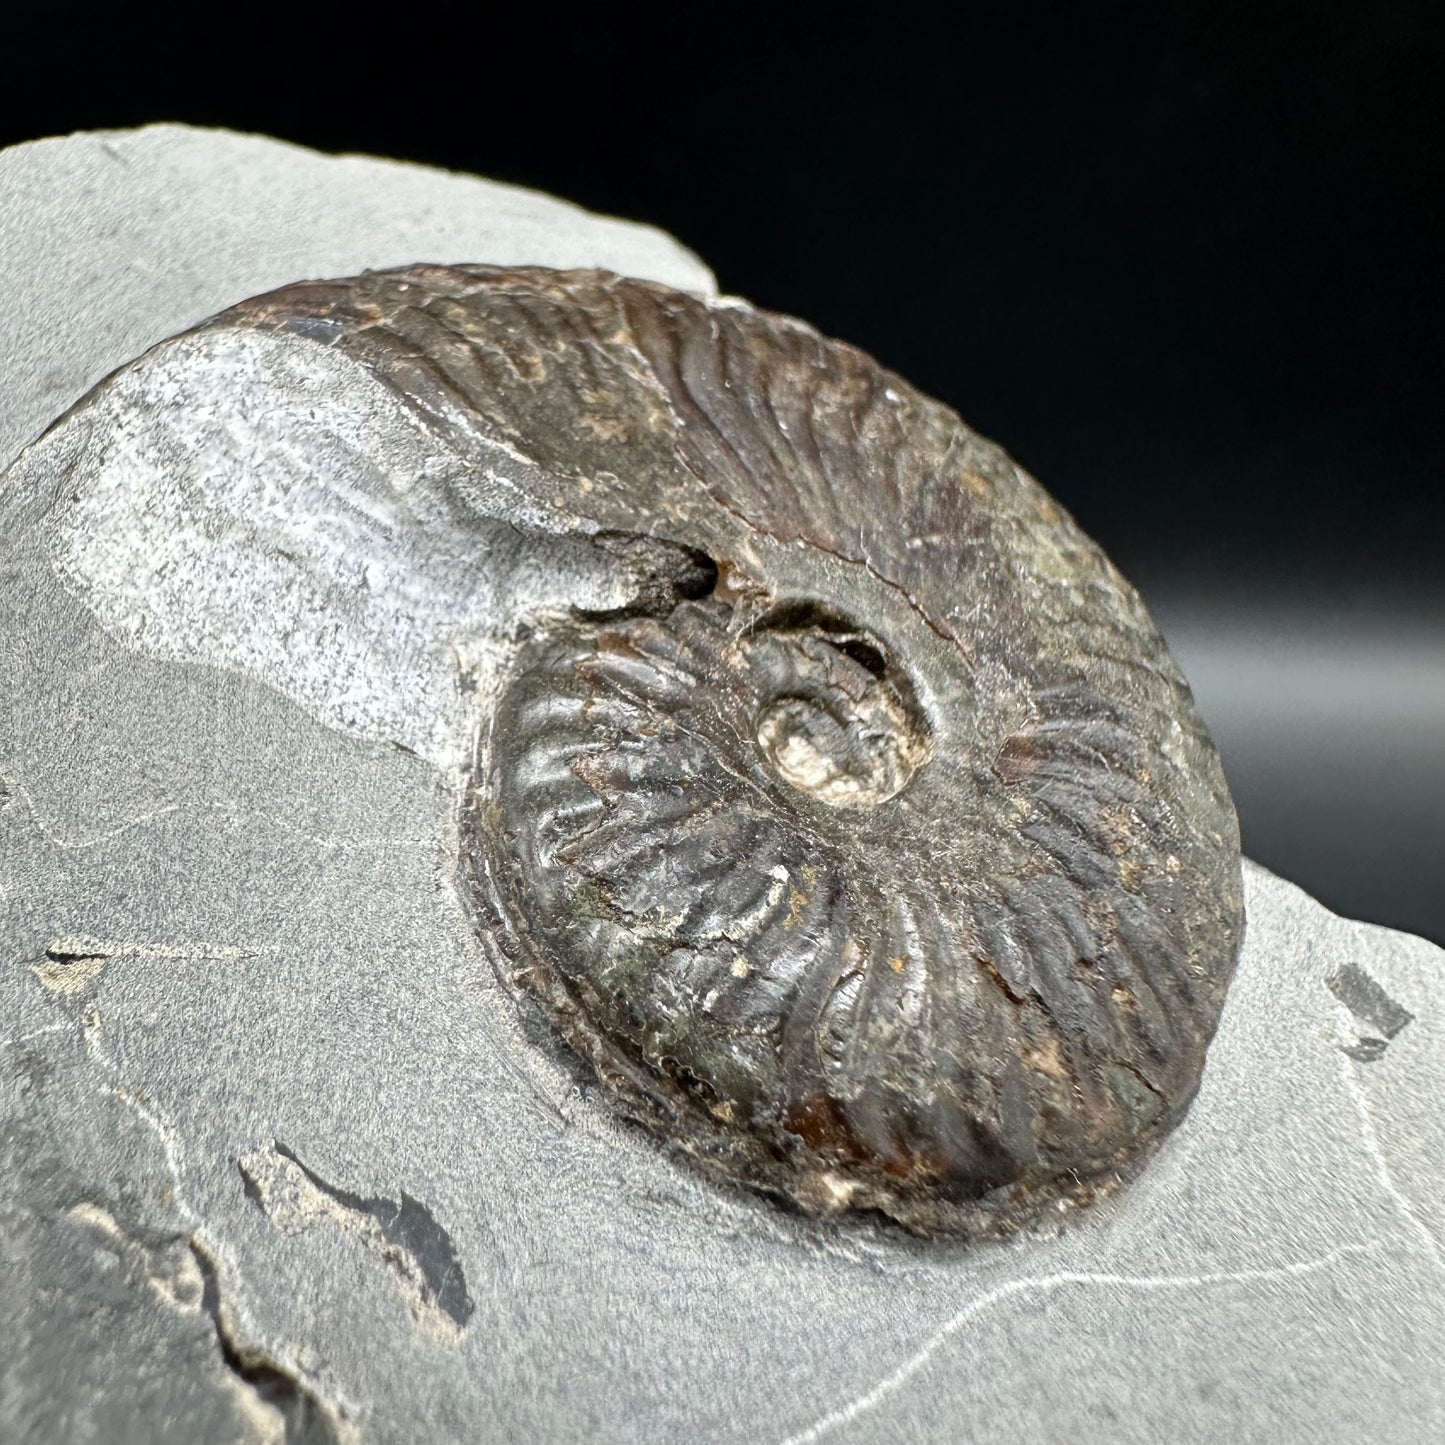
x=281 y=1161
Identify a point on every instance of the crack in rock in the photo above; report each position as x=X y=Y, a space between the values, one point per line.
x=403 y=1231
x=182 y=1273
x=73 y=961
x=182 y=1268
x=66 y=969
x=304 y=1417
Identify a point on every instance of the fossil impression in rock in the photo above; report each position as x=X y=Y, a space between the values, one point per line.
x=822 y=784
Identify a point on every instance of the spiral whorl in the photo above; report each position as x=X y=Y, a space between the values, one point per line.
x=878 y=857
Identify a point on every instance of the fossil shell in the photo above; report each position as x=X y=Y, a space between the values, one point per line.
x=873 y=853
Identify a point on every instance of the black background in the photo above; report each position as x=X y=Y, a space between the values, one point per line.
x=1183 y=260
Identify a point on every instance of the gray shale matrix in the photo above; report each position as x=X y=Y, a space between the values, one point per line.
x=283 y=1160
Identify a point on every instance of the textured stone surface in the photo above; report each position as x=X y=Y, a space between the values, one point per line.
x=281 y=1160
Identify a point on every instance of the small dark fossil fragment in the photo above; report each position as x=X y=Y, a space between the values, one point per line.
x=877 y=857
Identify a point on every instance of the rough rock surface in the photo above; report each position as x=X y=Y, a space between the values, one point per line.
x=277 y=1161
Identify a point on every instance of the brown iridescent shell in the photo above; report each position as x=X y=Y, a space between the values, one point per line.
x=877 y=856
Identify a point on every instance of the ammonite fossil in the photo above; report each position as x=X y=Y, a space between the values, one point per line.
x=868 y=843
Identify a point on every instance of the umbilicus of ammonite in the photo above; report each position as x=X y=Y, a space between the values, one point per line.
x=872 y=853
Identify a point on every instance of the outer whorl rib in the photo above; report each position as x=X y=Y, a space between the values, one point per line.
x=899 y=871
